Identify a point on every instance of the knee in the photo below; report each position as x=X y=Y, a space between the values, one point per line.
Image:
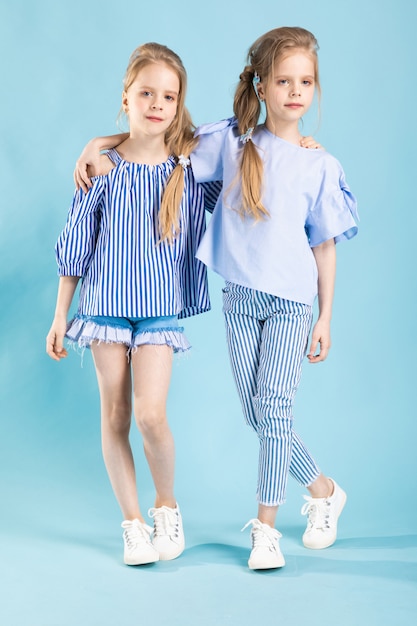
x=117 y=417
x=274 y=405
x=150 y=420
x=274 y=417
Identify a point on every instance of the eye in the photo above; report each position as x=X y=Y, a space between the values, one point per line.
x=146 y=93
x=307 y=82
x=283 y=81
x=170 y=98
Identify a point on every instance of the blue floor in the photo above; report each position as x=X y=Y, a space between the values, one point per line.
x=63 y=570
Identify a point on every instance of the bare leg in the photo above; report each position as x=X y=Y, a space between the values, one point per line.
x=152 y=367
x=322 y=487
x=114 y=380
x=267 y=514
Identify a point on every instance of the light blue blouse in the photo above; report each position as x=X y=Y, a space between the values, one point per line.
x=111 y=240
x=305 y=194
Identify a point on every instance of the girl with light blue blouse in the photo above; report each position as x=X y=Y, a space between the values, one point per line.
x=133 y=240
x=272 y=238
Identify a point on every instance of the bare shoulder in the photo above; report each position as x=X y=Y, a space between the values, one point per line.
x=102 y=167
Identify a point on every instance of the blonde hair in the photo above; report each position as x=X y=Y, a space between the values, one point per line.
x=179 y=137
x=262 y=56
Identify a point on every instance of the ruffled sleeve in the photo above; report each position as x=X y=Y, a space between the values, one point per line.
x=75 y=247
x=207 y=158
x=334 y=213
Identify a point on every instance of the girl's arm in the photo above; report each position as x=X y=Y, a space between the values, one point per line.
x=325 y=255
x=55 y=338
x=91 y=156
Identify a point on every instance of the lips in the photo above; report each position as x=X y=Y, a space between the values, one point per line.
x=293 y=105
x=152 y=118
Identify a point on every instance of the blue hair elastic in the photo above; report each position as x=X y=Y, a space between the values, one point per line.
x=255 y=81
x=246 y=136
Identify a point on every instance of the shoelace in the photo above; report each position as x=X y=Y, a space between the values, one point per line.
x=317 y=510
x=262 y=534
x=135 y=532
x=166 y=522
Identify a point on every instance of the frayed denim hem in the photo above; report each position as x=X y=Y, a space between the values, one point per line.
x=83 y=333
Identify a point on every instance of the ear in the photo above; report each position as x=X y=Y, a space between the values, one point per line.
x=125 y=102
x=260 y=89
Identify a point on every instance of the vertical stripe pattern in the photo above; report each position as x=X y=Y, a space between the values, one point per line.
x=111 y=240
x=267 y=338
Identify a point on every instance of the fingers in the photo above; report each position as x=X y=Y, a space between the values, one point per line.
x=81 y=178
x=54 y=347
x=316 y=358
x=310 y=143
x=313 y=348
x=321 y=355
x=80 y=182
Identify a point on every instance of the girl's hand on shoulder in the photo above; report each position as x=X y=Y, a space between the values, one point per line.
x=55 y=340
x=320 y=340
x=310 y=143
x=87 y=163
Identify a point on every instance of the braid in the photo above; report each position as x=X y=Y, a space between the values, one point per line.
x=247 y=109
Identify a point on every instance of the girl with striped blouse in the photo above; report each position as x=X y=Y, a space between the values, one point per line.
x=132 y=239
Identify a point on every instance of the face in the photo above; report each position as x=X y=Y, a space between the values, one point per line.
x=290 y=91
x=151 y=100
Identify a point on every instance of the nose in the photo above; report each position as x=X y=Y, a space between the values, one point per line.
x=296 y=91
x=156 y=105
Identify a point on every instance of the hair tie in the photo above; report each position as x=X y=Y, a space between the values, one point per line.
x=247 y=136
x=183 y=161
x=255 y=81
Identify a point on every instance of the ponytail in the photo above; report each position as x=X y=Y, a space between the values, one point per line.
x=247 y=110
x=181 y=142
x=169 y=214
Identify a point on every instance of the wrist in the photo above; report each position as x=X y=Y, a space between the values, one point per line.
x=325 y=318
x=60 y=317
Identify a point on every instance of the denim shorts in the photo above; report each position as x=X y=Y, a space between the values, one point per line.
x=83 y=330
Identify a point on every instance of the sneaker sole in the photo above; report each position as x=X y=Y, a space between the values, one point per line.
x=263 y=567
x=330 y=543
x=167 y=556
x=141 y=562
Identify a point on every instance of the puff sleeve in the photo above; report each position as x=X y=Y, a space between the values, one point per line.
x=75 y=247
x=207 y=157
x=334 y=212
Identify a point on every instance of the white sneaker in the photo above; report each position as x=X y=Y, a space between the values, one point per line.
x=168 y=534
x=138 y=548
x=323 y=513
x=266 y=553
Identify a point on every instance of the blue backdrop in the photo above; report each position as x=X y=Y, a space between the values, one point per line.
x=62 y=64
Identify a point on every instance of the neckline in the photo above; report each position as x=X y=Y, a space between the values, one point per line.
x=286 y=142
x=120 y=159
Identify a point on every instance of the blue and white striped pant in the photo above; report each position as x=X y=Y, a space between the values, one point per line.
x=267 y=338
